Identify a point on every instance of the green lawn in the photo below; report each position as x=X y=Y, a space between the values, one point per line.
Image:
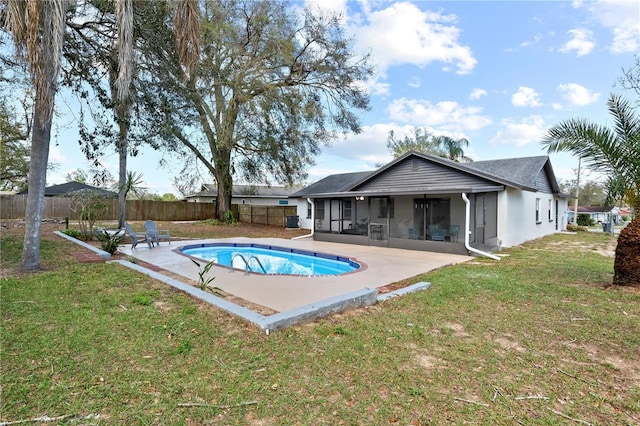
x=533 y=339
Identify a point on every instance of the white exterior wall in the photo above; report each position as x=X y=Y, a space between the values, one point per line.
x=517 y=216
x=304 y=222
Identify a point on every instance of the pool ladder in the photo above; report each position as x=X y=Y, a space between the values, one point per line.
x=246 y=263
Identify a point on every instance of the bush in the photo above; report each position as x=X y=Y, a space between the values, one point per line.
x=572 y=227
x=109 y=241
x=585 y=220
x=73 y=233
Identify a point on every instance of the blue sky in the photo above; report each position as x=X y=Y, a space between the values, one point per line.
x=496 y=73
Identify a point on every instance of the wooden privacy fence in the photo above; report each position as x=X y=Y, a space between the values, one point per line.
x=15 y=206
x=265 y=215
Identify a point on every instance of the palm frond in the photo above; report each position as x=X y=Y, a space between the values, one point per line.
x=38 y=33
x=186 y=19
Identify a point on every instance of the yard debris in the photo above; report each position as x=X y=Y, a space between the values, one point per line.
x=47 y=419
x=520 y=398
x=221 y=407
x=583 y=422
x=470 y=401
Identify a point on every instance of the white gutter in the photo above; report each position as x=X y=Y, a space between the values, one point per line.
x=467 y=221
x=313 y=213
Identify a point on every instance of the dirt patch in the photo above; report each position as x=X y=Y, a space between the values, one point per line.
x=458 y=329
x=607 y=249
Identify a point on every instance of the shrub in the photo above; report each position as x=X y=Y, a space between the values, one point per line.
x=585 y=220
x=109 y=241
x=73 y=233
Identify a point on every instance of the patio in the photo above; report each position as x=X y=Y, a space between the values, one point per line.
x=280 y=293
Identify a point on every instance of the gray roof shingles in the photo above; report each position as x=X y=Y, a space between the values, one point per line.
x=517 y=172
x=332 y=183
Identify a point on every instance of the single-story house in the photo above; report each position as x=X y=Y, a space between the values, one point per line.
x=425 y=202
x=70 y=188
x=246 y=194
x=599 y=214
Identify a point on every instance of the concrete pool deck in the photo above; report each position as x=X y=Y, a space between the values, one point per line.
x=283 y=293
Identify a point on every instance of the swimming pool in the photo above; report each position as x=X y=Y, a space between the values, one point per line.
x=271 y=260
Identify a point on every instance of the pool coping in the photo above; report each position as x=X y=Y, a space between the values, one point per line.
x=361 y=266
x=280 y=320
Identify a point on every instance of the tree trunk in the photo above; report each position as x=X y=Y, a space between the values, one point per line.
x=41 y=135
x=626 y=266
x=225 y=183
x=122 y=173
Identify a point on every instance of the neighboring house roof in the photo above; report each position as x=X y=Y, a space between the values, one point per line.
x=71 y=188
x=333 y=183
x=415 y=172
x=238 y=191
x=592 y=209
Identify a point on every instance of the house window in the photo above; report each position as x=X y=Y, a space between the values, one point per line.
x=550 y=204
x=346 y=210
x=320 y=210
x=537 y=210
x=309 y=210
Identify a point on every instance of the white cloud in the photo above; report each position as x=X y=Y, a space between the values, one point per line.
x=556 y=106
x=520 y=133
x=448 y=115
x=525 y=96
x=536 y=39
x=376 y=87
x=623 y=18
x=368 y=146
x=414 y=82
x=581 y=41
x=404 y=34
x=477 y=93
x=578 y=95
x=338 y=7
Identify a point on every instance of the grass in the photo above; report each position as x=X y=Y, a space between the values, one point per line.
x=536 y=338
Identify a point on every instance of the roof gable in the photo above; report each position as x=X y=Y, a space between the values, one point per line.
x=418 y=172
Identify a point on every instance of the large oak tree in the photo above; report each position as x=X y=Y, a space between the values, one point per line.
x=272 y=86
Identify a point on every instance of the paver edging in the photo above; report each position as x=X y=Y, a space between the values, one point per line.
x=358 y=298
x=103 y=254
x=405 y=290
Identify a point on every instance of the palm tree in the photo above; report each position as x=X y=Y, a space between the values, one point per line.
x=38 y=32
x=186 y=18
x=454 y=148
x=615 y=152
x=38 y=29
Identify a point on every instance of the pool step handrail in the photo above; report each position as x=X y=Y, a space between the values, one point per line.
x=246 y=264
x=264 y=271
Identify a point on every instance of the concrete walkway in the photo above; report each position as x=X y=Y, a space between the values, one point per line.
x=280 y=292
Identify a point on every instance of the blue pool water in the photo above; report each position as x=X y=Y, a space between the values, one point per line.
x=274 y=260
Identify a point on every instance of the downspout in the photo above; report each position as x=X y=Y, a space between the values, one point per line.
x=467 y=222
x=313 y=213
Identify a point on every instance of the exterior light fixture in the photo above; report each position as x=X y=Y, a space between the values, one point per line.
x=360 y=198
